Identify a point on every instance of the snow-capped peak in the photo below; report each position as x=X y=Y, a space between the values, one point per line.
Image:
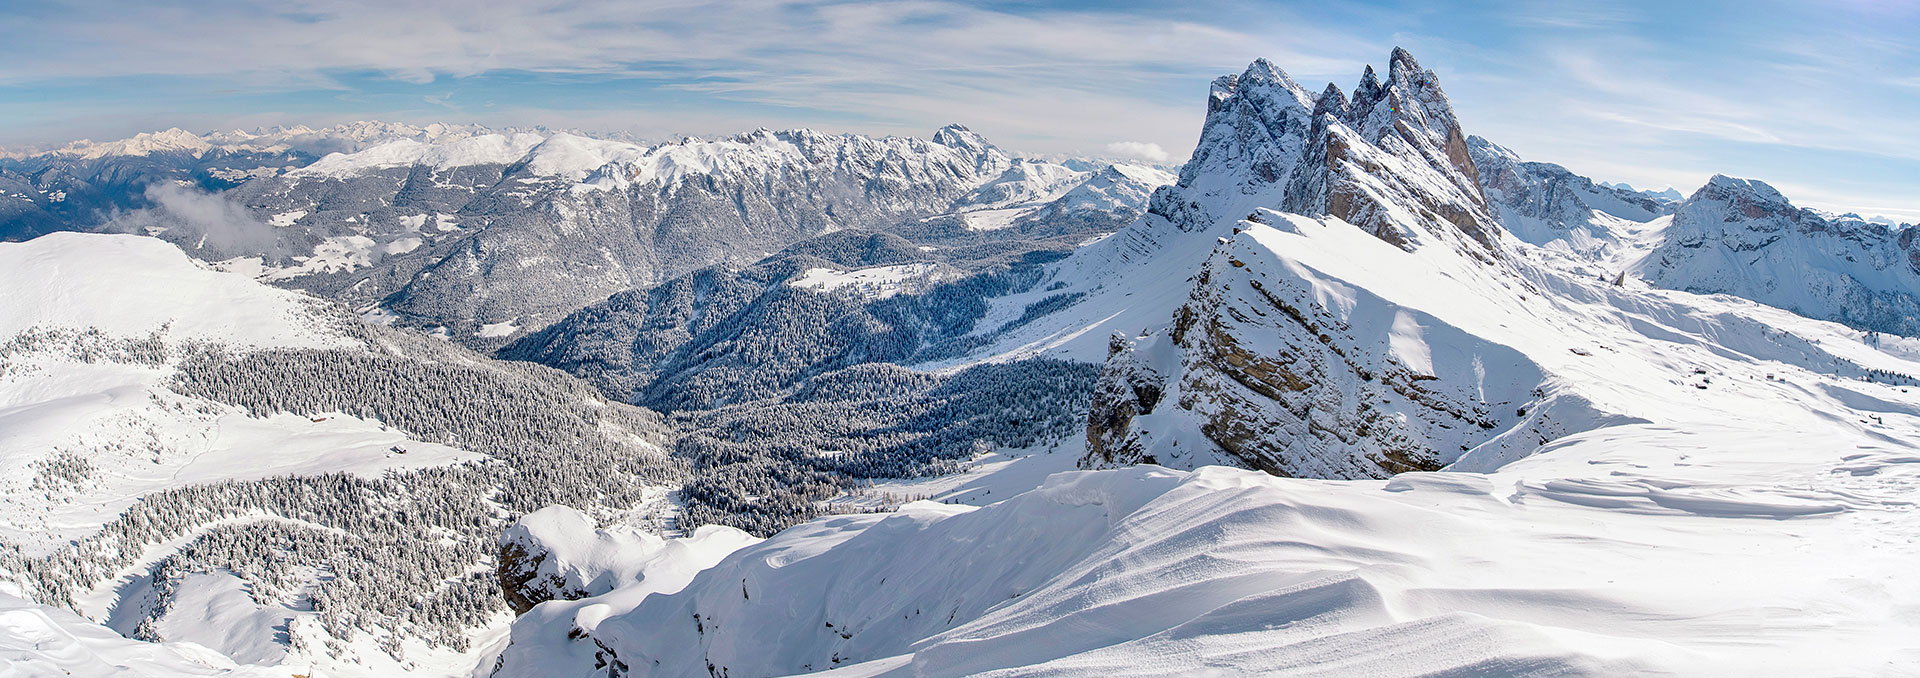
x=959 y=138
x=1723 y=185
x=1392 y=160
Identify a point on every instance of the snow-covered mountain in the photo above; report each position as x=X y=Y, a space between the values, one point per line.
x=85 y=184
x=1392 y=157
x=343 y=138
x=1609 y=456
x=1742 y=237
x=1544 y=204
x=492 y=235
x=486 y=234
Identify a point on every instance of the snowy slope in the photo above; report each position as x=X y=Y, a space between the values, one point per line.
x=1622 y=552
x=188 y=455
x=37 y=641
x=85 y=372
x=57 y=281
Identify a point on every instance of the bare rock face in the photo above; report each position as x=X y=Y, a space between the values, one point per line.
x=1128 y=388
x=1277 y=377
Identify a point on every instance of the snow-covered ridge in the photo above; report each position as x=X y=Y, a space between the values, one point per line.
x=558 y=155
x=557 y=553
x=1546 y=205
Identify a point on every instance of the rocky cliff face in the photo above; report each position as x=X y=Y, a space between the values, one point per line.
x=1281 y=373
x=1742 y=237
x=1392 y=160
x=1282 y=369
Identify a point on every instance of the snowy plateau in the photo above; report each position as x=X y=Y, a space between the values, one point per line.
x=1352 y=392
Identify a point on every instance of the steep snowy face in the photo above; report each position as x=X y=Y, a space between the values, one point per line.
x=1395 y=162
x=1546 y=205
x=1742 y=237
x=1392 y=160
x=1255 y=136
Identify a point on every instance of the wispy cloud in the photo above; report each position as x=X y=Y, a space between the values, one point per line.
x=1138 y=150
x=894 y=64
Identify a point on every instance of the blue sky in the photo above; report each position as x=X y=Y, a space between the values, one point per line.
x=1820 y=98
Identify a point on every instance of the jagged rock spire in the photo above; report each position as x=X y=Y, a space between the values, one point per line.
x=1268 y=142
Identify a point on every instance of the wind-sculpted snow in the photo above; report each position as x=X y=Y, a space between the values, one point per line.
x=1742 y=237
x=1542 y=568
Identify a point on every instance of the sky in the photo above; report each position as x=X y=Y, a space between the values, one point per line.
x=1820 y=98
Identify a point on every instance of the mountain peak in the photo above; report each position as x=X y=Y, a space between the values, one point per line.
x=1722 y=184
x=959 y=138
x=1401 y=65
x=1369 y=87
x=1331 y=100
x=1269 y=143
x=1262 y=69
